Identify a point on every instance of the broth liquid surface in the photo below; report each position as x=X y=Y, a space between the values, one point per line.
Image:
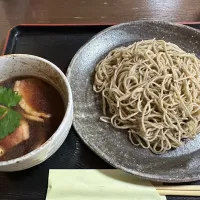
x=39 y=132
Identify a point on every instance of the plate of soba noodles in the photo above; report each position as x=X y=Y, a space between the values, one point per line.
x=136 y=89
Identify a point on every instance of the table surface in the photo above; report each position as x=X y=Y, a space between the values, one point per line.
x=13 y=12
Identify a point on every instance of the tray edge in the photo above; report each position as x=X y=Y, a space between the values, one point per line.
x=72 y=24
x=51 y=25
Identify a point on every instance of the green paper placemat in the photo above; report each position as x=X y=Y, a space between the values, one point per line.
x=98 y=185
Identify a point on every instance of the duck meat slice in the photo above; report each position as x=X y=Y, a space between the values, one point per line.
x=19 y=135
x=34 y=98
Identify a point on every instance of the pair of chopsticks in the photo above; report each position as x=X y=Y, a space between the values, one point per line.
x=178 y=190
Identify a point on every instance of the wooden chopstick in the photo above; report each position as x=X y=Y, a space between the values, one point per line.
x=178 y=190
x=179 y=193
x=179 y=187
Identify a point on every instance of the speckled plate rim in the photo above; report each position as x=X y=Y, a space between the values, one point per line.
x=95 y=149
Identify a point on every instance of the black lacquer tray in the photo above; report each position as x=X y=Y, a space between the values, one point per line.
x=58 y=44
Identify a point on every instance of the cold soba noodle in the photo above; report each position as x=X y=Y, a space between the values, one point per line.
x=151 y=88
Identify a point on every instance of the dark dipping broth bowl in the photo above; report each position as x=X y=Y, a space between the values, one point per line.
x=23 y=65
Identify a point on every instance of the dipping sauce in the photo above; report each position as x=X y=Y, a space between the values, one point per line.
x=41 y=108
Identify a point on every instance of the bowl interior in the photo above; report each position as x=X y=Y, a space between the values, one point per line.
x=16 y=65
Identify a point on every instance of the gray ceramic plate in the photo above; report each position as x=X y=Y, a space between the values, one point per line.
x=180 y=165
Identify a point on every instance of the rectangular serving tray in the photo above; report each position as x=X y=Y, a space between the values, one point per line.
x=58 y=44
